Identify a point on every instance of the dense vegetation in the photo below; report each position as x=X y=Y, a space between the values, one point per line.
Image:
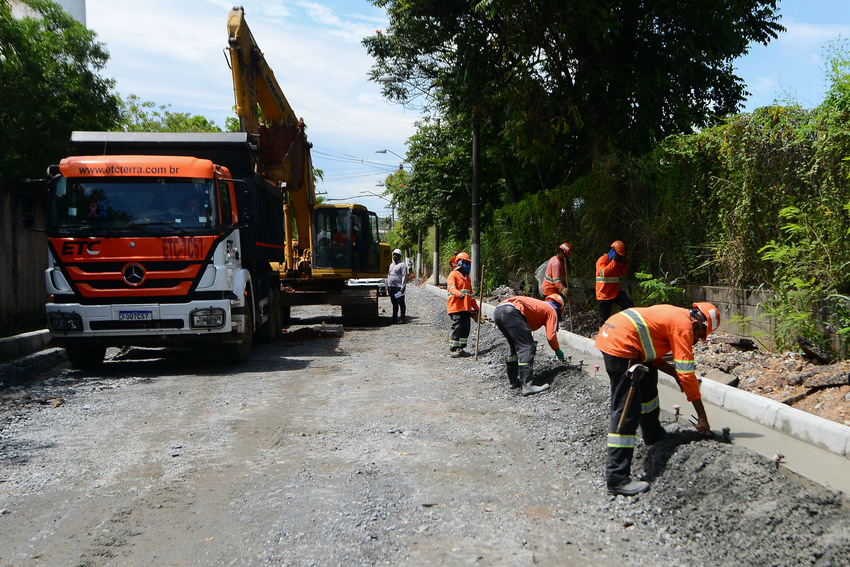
x=50 y=85
x=606 y=120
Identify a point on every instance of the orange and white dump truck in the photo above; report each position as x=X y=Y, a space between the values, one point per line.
x=162 y=239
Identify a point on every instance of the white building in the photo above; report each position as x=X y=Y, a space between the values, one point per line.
x=77 y=9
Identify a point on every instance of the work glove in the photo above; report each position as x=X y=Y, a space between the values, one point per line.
x=611 y=254
x=560 y=354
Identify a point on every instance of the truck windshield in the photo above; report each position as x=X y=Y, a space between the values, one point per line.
x=141 y=204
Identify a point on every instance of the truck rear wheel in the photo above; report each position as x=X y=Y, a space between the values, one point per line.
x=271 y=329
x=240 y=352
x=82 y=358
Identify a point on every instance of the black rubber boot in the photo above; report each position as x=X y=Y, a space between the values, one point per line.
x=526 y=376
x=512 y=368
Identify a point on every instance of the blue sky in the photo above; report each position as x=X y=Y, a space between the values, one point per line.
x=172 y=53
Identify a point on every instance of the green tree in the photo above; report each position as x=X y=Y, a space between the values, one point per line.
x=49 y=86
x=146 y=116
x=563 y=84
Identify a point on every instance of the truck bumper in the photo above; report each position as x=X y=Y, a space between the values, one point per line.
x=144 y=324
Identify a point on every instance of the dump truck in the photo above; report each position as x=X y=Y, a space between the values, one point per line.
x=161 y=239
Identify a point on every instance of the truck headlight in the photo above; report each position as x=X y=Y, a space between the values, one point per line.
x=64 y=322
x=208 y=318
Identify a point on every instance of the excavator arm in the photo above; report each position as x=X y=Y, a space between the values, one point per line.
x=264 y=111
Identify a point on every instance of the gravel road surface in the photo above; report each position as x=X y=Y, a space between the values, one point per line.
x=370 y=446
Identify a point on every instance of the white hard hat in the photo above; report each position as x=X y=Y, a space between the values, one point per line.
x=396 y=251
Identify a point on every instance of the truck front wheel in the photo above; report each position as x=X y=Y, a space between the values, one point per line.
x=82 y=358
x=240 y=352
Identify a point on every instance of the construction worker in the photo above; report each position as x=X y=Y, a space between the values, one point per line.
x=644 y=335
x=517 y=317
x=397 y=285
x=555 y=280
x=461 y=305
x=610 y=267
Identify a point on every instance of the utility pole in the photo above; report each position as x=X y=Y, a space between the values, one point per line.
x=475 y=221
x=436 y=254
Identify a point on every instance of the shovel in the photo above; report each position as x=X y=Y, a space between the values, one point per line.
x=636 y=372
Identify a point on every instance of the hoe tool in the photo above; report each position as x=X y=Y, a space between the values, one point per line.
x=636 y=372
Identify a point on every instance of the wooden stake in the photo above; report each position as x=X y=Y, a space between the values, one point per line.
x=480 y=299
x=567 y=288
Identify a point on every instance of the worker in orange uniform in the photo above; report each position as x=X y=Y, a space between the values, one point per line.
x=644 y=335
x=517 y=317
x=610 y=267
x=555 y=280
x=461 y=305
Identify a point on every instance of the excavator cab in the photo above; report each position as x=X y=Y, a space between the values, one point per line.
x=346 y=240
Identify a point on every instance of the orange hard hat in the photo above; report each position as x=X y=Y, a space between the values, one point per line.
x=619 y=247
x=712 y=316
x=462 y=256
x=566 y=248
x=556 y=298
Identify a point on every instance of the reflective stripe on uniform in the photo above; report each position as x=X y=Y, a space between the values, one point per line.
x=650 y=406
x=513 y=358
x=607 y=280
x=684 y=366
x=621 y=441
x=551 y=280
x=643 y=333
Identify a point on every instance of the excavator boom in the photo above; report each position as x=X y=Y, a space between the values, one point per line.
x=264 y=111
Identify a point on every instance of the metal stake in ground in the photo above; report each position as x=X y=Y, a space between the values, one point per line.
x=636 y=372
x=567 y=293
x=480 y=304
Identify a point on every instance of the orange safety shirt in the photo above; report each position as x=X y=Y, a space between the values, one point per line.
x=646 y=334
x=538 y=313
x=608 y=274
x=459 y=287
x=553 y=282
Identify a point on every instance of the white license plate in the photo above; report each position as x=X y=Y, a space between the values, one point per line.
x=135 y=316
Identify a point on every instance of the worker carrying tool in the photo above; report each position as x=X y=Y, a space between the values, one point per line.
x=644 y=335
x=610 y=268
x=462 y=306
x=517 y=317
x=555 y=280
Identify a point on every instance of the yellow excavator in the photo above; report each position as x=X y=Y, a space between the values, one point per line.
x=332 y=247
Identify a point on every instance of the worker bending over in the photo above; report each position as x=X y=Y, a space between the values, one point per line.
x=555 y=280
x=645 y=335
x=610 y=268
x=517 y=317
x=461 y=305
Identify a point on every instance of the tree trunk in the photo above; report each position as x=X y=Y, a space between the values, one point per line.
x=475 y=221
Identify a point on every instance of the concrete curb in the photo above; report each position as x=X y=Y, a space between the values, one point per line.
x=22 y=345
x=805 y=427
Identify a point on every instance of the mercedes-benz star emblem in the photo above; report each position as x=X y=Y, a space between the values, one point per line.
x=134 y=274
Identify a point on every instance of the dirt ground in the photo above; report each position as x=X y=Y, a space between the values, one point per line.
x=370 y=446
